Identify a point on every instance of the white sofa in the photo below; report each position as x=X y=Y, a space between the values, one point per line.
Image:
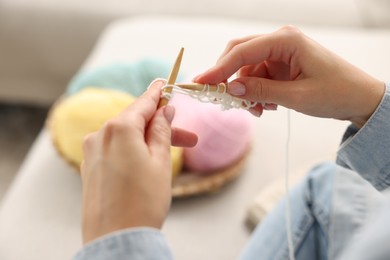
x=40 y=215
x=44 y=42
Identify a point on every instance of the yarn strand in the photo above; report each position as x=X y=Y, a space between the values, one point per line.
x=287 y=208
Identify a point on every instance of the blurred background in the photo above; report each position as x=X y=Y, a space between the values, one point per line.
x=43 y=43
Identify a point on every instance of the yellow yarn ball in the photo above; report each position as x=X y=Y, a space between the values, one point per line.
x=86 y=112
x=177 y=160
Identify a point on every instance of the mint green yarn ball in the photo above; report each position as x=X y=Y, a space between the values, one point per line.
x=133 y=78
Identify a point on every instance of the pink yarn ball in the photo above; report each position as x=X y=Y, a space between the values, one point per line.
x=224 y=136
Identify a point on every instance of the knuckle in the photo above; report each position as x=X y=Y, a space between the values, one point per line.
x=163 y=129
x=224 y=74
x=232 y=43
x=291 y=32
x=88 y=141
x=238 y=53
x=291 y=29
x=114 y=127
x=260 y=90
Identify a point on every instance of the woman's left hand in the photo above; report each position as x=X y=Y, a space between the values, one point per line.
x=126 y=172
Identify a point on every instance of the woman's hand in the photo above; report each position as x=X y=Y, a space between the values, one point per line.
x=288 y=68
x=126 y=172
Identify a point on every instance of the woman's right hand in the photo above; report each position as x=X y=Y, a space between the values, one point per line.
x=290 y=69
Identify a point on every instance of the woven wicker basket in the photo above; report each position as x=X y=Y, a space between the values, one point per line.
x=189 y=183
x=186 y=183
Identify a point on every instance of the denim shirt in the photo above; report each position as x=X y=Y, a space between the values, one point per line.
x=365 y=151
x=134 y=243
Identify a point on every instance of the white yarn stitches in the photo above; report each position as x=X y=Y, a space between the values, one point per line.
x=220 y=96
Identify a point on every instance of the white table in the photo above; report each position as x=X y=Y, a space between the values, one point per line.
x=40 y=216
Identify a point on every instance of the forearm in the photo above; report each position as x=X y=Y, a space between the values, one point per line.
x=366 y=150
x=135 y=244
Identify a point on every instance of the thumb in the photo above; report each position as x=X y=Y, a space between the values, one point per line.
x=262 y=90
x=158 y=134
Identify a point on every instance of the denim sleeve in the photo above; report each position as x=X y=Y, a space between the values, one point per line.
x=135 y=244
x=367 y=150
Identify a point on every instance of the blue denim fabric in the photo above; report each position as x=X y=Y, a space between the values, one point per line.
x=368 y=151
x=354 y=200
x=371 y=242
x=328 y=208
x=332 y=209
x=134 y=244
x=310 y=206
x=344 y=201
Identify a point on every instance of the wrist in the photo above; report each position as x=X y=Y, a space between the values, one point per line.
x=99 y=227
x=122 y=211
x=370 y=104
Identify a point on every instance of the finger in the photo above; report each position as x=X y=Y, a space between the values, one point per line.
x=158 y=133
x=183 y=138
x=145 y=106
x=264 y=90
x=259 y=108
x=244 y=54
x=90 y=145
x=270 y=106
x=258 y=70
x=269 y=70
x=234 y=43
x=256 y=110
x=83 y=171
x=277 y=46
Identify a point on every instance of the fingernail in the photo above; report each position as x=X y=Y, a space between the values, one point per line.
x=236 y=88
x=270 y=106
x=255 y=112
x=158 y=82
x=195 y=78
x=169 y=113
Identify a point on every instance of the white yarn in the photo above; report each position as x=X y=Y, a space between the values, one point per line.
x=220 y=96
x=287 y=208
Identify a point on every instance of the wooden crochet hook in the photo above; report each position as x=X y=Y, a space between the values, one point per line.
x=172 y=77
